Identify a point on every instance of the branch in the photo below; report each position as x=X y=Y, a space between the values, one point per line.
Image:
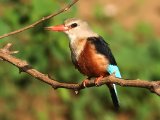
x=6 y=55
x=66 y=8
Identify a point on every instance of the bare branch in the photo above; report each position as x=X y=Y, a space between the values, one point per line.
x=66 y=8
x=5 y=54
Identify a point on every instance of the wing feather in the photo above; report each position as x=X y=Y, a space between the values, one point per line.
x=103 y=48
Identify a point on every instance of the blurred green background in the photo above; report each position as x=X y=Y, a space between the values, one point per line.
x=130 y=27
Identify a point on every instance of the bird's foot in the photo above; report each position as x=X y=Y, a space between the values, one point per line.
x=96 y=81
x=85 y=82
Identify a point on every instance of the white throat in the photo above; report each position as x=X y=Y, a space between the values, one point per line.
x=72 y=38
x=76 y=45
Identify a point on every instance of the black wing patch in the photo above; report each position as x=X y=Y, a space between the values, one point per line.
x=103 y=48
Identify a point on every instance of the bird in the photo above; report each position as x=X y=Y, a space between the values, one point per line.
x=90 y=53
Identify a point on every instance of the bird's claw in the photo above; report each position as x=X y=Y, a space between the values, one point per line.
x=113 y=74
x=84 y=83
x=96 y=81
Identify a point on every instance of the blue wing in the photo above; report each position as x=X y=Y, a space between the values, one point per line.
x=113 y=69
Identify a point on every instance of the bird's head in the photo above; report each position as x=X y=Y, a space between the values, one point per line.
x=74 y=28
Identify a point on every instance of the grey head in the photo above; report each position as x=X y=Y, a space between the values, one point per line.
x=78 y=29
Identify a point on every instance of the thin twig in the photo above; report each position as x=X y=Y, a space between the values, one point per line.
x=5 y=54
x=66 y=8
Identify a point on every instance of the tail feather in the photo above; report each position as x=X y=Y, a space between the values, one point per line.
x=112 y=87
x=113 y=92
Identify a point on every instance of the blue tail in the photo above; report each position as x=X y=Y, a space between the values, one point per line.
x=112 y=88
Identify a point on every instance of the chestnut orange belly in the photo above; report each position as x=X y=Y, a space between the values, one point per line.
x=92 y=63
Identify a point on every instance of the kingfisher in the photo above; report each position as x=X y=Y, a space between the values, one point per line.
x=90 y=53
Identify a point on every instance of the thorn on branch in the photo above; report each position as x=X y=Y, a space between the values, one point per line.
x=8 y=46
x=66 y=9
x=54 y=87
x=49 y=76
x=20 y=70
x=76 y=92
x=14 y=52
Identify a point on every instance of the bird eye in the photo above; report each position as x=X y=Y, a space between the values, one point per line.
x=74 y=25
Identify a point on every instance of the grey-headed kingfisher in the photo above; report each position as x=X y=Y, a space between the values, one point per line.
x=90 y=54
